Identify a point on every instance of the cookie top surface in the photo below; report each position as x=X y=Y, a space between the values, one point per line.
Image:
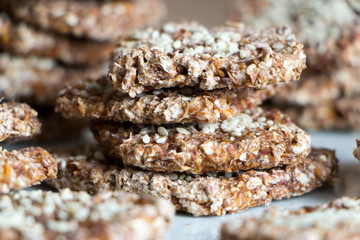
x=25 y=167
x=254 y=139
x=338 y=219
x=78 y=215
x=18 y=121
x=321 y=24
x=207 y=194
x=90 y=19
x=99 y=100
x=189 y=54
x=22 y=39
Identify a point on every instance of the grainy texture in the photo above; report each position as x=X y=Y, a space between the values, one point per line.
x=38 y=80
x=329 y=29
x=99 y=100
x=105 y=20
x=18 y=121
x=188 y=54
x=338 y=219
x=22 y=39
x=216 y=194
x=33 y=215
x=357 y=149
x=25 y=167
x=255 y=139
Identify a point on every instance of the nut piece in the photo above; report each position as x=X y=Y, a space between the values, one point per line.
x=98 y=99
x=77 y=215
x=338 y=219
x=18 y=121
x=198 y=194
x=147 y=60
x=254 y=139
x=25 y=167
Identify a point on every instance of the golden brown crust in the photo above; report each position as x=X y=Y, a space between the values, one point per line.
x=18 y=121
x=254 y=139
x=21 y=39
x=25 y=167
x=99 y=100
x=89 y=170
x=188 y=54
x=338 y=219
x=97 y=20
x=38 y=80
x=77 y=215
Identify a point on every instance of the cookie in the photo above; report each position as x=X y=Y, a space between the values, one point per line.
x=357 y=149
x=338 y=219
x=349 y=108
x=77 y=215
x=188 y=54
x=329 y=29
x=25 y=167
x=38 y=80
x=99 y=100
x=255 y=139
x=22 y=39
x=320 y=117
x=18 y=121
x=208 y=194
x=312 y=89
x=89 y=19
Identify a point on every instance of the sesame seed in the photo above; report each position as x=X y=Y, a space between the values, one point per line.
x=182 y=131
x=146 y=138
x=162 y=131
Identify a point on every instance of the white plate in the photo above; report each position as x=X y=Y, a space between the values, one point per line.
x=188 y=227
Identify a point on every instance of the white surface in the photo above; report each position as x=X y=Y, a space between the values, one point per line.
x=188 y=227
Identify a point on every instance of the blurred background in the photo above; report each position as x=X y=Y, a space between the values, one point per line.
x=208 y=12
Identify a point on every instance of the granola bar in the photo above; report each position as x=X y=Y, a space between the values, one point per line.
x=90 y=19
x=188 y=54
x=22 y=39
x=18 y=121
x=99 y=100
x=25 y=167
x=329 y=29
x=254 y=139
x=208 y=194
x=77 y=215
x=38 y=80
x=338 y=219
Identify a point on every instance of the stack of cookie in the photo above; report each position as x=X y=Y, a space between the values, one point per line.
x=27 y=166
x=47 y=44
x=328 y=95
x=178 y=110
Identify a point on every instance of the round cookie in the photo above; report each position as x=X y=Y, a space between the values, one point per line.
x=25 y=167
x=254 y=139
x=38 y=80
x=329 y=29
x=89 y=19
x=18 y=121
x=77 y=215
x=99 y=100
x=188 y=54
x=338 y=219
x=22 y=39
x=215 y=194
